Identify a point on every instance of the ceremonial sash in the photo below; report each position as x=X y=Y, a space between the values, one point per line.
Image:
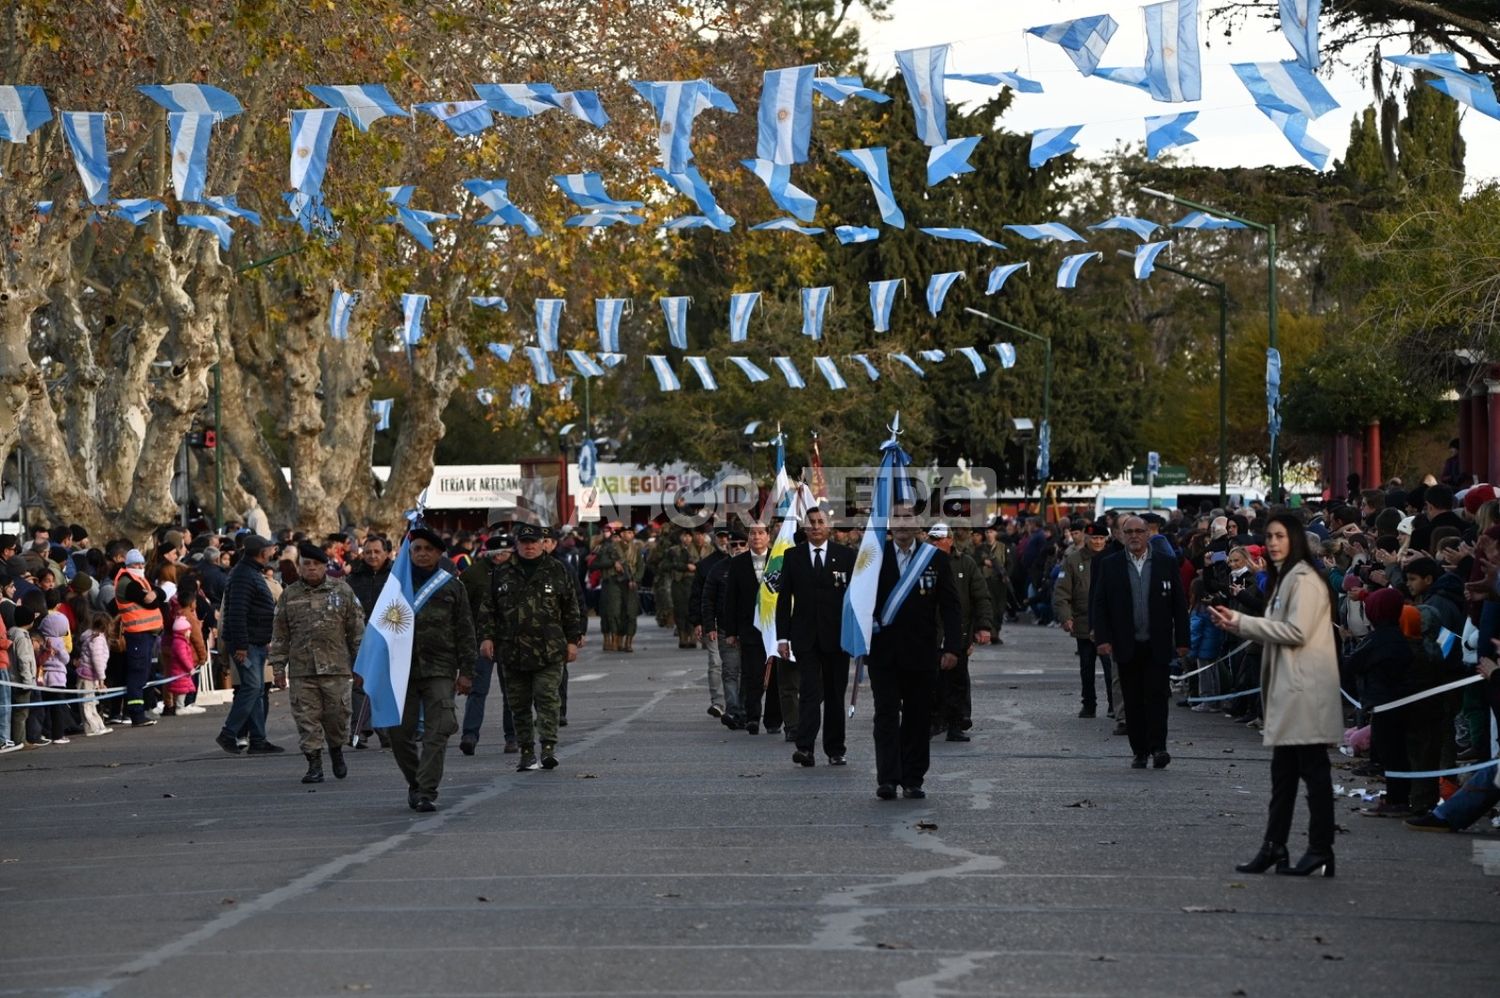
x=918 y=562
x=439 y=579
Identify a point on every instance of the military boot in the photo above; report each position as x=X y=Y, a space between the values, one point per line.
x=527 y=762
x=629 y=640
x=549 y=755
x=314 y=767
x=609 y=641
x=336 y=757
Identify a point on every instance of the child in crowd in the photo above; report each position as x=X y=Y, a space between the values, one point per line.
x=92 y=660
x=52 y=639
x=184 y=649
x=6 y=745
x=1207 y=642
x=23 y=673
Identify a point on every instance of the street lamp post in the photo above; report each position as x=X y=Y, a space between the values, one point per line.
x=1270 y=230
x=1046 y=426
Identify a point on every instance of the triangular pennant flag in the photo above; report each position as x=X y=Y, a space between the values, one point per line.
x=463 y=118
x=752 y=373
x=1083 y=39
x=848 y=234
x=950 y=159
x=364 y=103
x=1166 y=131
x=1145 y=258
x=1054 y=231
x=1067 y=274
x=907 y=361
x=190 y=133
x=864 y=362
x=494 y=194
x=22 y=111
x=1050 y=143
x=830 y=373
x=786 y=225
x=963 y=236
x=1143 y=228
x=585 y=365
x=840 y=88
x=489 y=301
x=973 y=358
x=789 y=372
x=194 y=98
x=85 y=133
x=691 y=184
x=210 y=223
x=778 y=181
x=502 y=351
x=1007 y=354
x=1015 y=81
x=705 y=374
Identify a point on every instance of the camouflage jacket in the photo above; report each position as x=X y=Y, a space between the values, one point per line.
x=610 y=552
x=444 y=644
x=316 y=631
x=675 y=561
x=974 y=600
x=535 y=614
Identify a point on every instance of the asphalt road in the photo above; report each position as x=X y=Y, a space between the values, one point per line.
x=670 y=856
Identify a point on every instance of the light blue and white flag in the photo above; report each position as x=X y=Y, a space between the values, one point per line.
x=1054 y=231
x=585 y=365
x=1050 y=143
x=1447 y=641
x=1083 y=39
x=312 y=133
x=412 y=309
x=751 y=427
x=857 y=625
x=495 y=195
x=741 y=306
x=1294 y=127
x=228 y=204
x=902 y=358
x=864 y=361
x=311 y=213
x=950 y=159
x=381 y=410
x=1165 y=131
x=1173 y=69
x=1015 y=81
x=1273 y=392
x=525 y=100
x=703 y=371
x=814 y=303
x=675 y=310
x=587 y=191
x=415 y=221
x=90 y=146
x=932 y=356
x=789 y=372
x=972 y=356
x=611 y=360
x=690 y=183
x=137 y=210
x=787 y=225
x=190 y=132
x=937 y=289
x=666 y=378
x=501 y=351
x=882 y=296
x=848 y=234
x=22 y=111
x=1285 y=86
x=1067 y=274
x=840 y=88
x=784 y=123
x=830 y=373
x=340 y=310
x=676 y=103
x=872 y=163
x=489 y=301
x=210 y=223
x=1130 y=76
x=1002 y=273
x=194 y=98
x=1299 y=23
x=778 y=181
x=1467 y=88
x=362 y=103
x=548 y=316
x=541 y=365
x=384 y=660
x=603 y=219
x=685 y=222
x=565 y=388
x=1007 y=354
x=520 y=396
x=923 y=69
x=462 y=117
x=1044 y=451
x=1143 y=228
x=607 y=313
x=467 y=357
x=752 y=373
x=1145 y=258
x=1203 y=220
x=962 y=236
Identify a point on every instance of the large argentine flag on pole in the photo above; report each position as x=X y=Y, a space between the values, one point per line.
x=384 y=662
x=792 y=502
x=859 y=599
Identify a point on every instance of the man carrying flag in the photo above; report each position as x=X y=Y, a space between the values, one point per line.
x=418 y=651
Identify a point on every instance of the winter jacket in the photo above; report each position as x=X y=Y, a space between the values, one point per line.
x=1206 y=641
x=22 y=657
x=249 y=608
x=52 y=629
x=92 y=656
x=1383 y=662
x=1299 y=671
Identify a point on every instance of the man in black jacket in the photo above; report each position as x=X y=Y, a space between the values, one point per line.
x=702 y=568
x=915 y=591
x=245 y=634
x=809 y=620
x=741 y=602
x=715 y=627
x=1139 y=616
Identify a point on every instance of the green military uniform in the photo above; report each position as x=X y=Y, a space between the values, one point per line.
x=618 y=601
x=661 y=581
x=443 y=648
x=677 y=561
x=994 y=565
x=535 y=616
x=955 y=698
x=315 y=637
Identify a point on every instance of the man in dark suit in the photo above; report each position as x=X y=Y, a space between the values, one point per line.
x=1139 y=616
x=809 y=619
x=741 y=601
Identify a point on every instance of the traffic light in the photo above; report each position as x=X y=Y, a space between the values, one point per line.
x=207 y=439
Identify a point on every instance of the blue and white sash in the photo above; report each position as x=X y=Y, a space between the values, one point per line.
x=439 y=579
x=918 y=562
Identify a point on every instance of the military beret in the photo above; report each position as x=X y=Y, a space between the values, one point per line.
x=430 y=536
x=1096 y=529
x=529 y=532
x=738 y=536
x=311 y=552
x=498 y=542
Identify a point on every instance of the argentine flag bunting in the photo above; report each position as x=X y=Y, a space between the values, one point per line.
x=950 y=159
x=1142 y=227
x=840 y=88
x=1002 y=273
x=384 y=660
x=922 y=69
x=1165 y=131
x=703 y=371
x=675 y=310
x=848 y=234
x=548 y=315
x=666 y=378
x=22 y=111
x=84 y=131
x=1050 y=143
x=937 y=289
x=1067 y=274
x=1007 y=354
x=363 y=103
x=741 y=306
x=785 y=120
x=312 y=132
x=787 y=195
x=194 y=98
x=814 y=302
x=1285 y=87
x=607 y=313
x=748 y=368
x=872 y=163
x=1145 y=258
x=882 y=297
x=463 y=118
x=190 y=132
x=1173 y=71
x=858 y=624
x=1083 y=39
x=1299 y=23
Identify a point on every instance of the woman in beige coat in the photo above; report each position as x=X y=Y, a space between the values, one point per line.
x=1299 y=681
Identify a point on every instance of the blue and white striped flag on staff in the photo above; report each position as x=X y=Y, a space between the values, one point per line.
x=937 y=289
x=962 y=236
x=676 y=103
x=872 y=163
x=848 y=234
x=1007 y=354
x=520 y=396
x=90 y=146
x=923 y=69
x=1142 y=227
x=1145 y=258
x=675 y=310
x=741 y=306
x=748 y=368
x=462 y=118
x=950 y=159
x=607 y=313
x=1083 y=39
x=524 y=100
x=778 y=181
x=1054 y=231
x=666 y=378
x=814 y=302
x=1067 y=274
x=1044 y=450
x=864 y=362
x=892 y=488
x=1050 y=143
x=384 y=660
x=882 y=296
x=548 y=316
x=1173 y=71
x=495 y=195
x=789 y=372
x=784 y=123
x=541 y=365
x=1294 y=127
x=587 y=191
x=362 y=103
x=1002 y=273
x=1273 y=392
x=501 y=351
x=1164 y=131
x=381 y=410
x=830 y=373
x=489 y=301
x=209 y=223
x=412 y=307
x=1285 y=86
x=906 y=361
x=787 y=225
x=22 y=111
x=1467 y=88
x=137 y=210
x=1203 y=220
x=1299 y=23
x=972 y=356
x=190 y=132
x=312 y=132
x=1447 y=641
x=703 y=371
x=194 y=98
x=690 y=183
x=840 y=88
x=585 y=365
x=340 y=308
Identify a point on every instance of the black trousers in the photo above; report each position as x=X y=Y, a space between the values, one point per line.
x=824 y=679
x=1088 y=658
x=1144 y=684
x=1388 y=736
x=903 y=708
x=953 y=707
x=1309 y=764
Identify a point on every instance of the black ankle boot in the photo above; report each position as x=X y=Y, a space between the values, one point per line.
x=314 y=767
x=336 y=757
x=1312 y=863
x=1270 y=855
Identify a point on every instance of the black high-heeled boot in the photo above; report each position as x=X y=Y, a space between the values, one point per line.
x=1270 y=855
x=1312 y=863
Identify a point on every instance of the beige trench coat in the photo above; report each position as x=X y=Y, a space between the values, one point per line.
x=1299 y=666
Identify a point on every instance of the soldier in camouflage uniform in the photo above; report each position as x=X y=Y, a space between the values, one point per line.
x=953 y=709
x=618 y=562
x=534 y=617
x=315 y=637
x=680 y=564
x=661 y=582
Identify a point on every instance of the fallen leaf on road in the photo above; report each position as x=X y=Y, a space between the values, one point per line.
x=584 y=776
x=169 y=795
x=1199 y=909
x=1332 y=956
x=749 y=776
x=669 y=895
x=926 y=826
x=1082 y=803
x=481 y=897
x=893 y=945
x=1235 y=887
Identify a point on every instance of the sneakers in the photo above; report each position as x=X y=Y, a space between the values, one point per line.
x=243 y=742
x=466 y=745
x=191 y=708
x=62 y=741
x=264 y=748
x=715 y=711
x=1386 y=810
x=39 y=742
x=10 y=746
x=144 y=722
x=512 y=747
x=1428 y=823
x=752 y=727
x=549 y=756
x=227 y=742
x=96 y=734
x=527 y=763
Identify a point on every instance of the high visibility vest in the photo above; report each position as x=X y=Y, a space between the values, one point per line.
x=134 y=618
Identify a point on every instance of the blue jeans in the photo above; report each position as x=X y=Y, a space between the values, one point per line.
x=137 y=673
x=484 y=673
x=1473 y=800
x=248 y=708
x=5 y=706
